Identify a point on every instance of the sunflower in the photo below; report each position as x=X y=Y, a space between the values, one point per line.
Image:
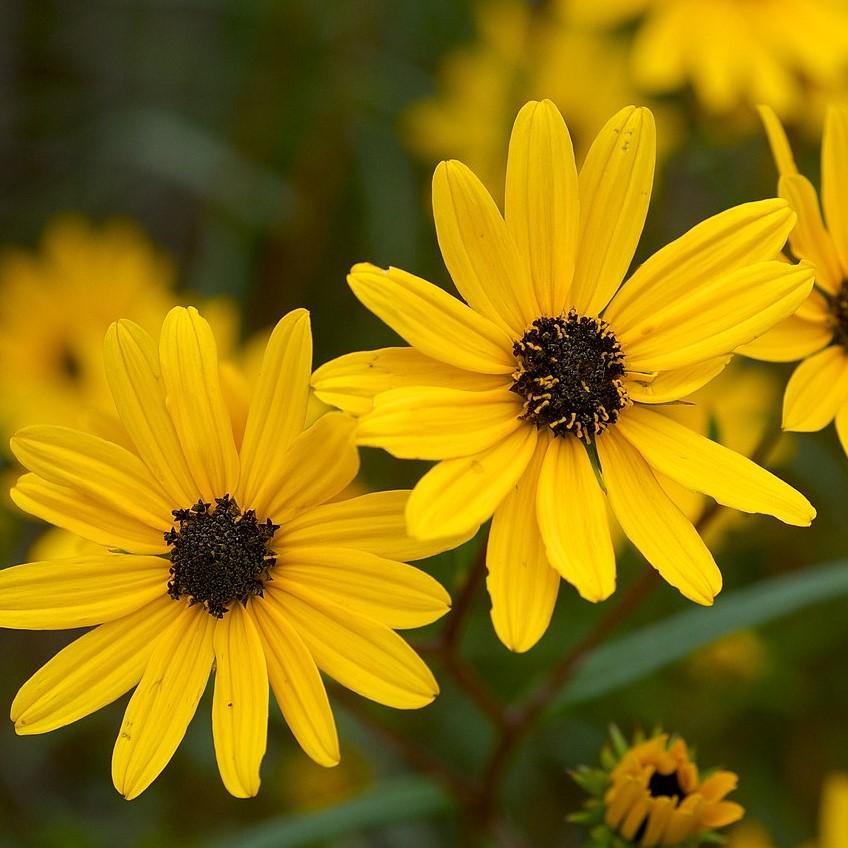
x=551 y=374
x=817 y=392
x=733 y=53
x=222 y=550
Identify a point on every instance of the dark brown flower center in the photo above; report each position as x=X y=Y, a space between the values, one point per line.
x=570 y=373
x=839 y=315
x=667 y=785
x=219 y=556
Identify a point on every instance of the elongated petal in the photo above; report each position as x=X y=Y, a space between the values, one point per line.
x=316 y=467
x=164 y=702
x=132 y=368
x=79 y=591
x=278 y=407
x=665 y=537
x=351 y=381
x=810 y=239
x=458 y=495
x=479 y=251
x=375 y=523
x=70 y=510
x=437 y=423
x=615 y=190
x=835 y=179
x=189 y=361
x=433 y=321
x=240 y=702
x=790 y=340
x=522 y=584
x=364 y=656
x=780 y=149
x=752 y=232
x=717 y=317
x=297 y=685
x=817 y=389
x=675 y=384
x=842 y=426
x=542 y=202
x=572 y=513
x=101 y=471
x=389 y=592
x=700 y=464
x=92 y=671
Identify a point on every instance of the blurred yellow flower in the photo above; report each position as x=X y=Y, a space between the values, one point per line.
x=223 y=549
x=521 y=53
x=740 y=656
x=555 y=367
x=817 y=392
x=733 y=53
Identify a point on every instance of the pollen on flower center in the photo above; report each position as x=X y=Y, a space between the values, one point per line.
x=219 y=555
x=569 y=374
x=839 y=313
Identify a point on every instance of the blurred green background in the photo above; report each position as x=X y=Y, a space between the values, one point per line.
x=258 y=143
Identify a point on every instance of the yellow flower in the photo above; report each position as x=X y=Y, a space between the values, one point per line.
x=223 y=549
x=519 y=53
x=656 y=796
x=554 y=360
x=817 y=392
x=733 y=53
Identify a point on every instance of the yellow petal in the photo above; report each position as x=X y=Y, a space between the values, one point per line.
x=479 y=250
x=717 y=317
x=842 y=426
x=364 y=656
x=351 y=381
x=790 y=340
x=810 y=239
x=132 y=368
x=665 y=537
x=435 y=423
x=817 y=389
x=92 y=671
x=392 y=593
x=79 y=591
x=572 y=513
x=780 y=149
x=834 y=812
x=240 y=702
x=752 y=232
x=675 y=384
x=296 y=683
x=700 y=464
x=522 y=584
x=458 y=495
x=316 y=467
x=835 y=179
x=615 y=190
x=542 y=202
x=99 y=470
x=165 y=701
x=278 y=407
x=433 y=321
x=375 y=523
x=83 y=516
x=189 y=361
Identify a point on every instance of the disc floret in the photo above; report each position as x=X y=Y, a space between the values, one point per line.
x=570 y=371
x=839 y=315
x=219 y=555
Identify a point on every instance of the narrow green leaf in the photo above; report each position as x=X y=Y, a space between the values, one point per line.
x=644 y=651
x=402 y=800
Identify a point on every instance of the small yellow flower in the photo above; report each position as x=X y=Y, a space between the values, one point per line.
x=224 y=549
x=550 y=373
x=656 y=796
x=733 y=53
x=817 y=392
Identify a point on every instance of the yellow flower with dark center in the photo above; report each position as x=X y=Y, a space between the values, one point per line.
x=733 y=53
x=549 y=374
x=817 y=392
x=656 y=796
x=224 y=550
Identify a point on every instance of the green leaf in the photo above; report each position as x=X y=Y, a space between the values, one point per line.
x=644 y=651
x=402 y=800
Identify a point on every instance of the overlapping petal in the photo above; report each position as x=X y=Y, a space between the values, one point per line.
x=673 y=385
x=835 y=179
x=816 y=391
x=792 y=339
